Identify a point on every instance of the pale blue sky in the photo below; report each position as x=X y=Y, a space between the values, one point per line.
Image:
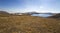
x=30 y=5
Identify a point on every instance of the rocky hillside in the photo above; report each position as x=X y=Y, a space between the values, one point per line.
x=55 y=16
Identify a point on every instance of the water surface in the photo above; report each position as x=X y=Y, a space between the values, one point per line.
x=42 y=15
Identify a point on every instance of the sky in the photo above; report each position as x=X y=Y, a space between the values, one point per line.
x=30 y=6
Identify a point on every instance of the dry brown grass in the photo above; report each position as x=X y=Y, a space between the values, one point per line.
x=28 y=24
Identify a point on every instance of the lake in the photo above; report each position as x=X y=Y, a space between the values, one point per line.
x=42 y=15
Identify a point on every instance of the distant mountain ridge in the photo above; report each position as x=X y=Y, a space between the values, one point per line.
x=3 y=12
x=54 y=15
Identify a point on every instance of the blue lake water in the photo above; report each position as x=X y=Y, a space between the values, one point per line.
x=42 y=15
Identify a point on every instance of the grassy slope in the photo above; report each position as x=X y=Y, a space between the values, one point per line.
x=28 y=24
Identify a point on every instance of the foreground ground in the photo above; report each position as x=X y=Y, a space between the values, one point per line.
x=28 y=24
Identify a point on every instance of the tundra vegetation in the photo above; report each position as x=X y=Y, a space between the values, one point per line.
x=28 y=24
